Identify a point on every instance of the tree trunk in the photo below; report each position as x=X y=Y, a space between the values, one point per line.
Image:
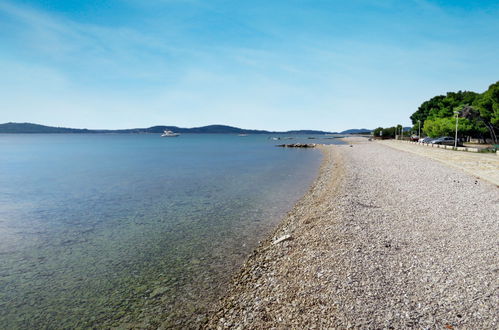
x=492 y=133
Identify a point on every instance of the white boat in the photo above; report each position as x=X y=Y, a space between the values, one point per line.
x=242 y=135
x=167 y=133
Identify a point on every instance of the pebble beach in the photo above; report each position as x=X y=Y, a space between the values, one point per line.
x=383 y=239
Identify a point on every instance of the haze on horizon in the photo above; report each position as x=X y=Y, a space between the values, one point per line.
x=325 y=65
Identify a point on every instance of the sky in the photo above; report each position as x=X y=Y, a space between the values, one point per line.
x=275 y=65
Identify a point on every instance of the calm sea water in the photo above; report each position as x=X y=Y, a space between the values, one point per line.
x=137 y=230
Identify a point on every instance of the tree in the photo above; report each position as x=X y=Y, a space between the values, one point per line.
x=481 y=112
x=478 y=124
x=386 y=132
x=378 y=131
x=424 y=110
x=442 y=106
x=447 y=126
x=487 y=107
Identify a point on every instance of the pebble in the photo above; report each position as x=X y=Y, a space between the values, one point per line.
x=394 y=244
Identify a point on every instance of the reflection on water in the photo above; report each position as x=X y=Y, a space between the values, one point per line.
x=134 y=230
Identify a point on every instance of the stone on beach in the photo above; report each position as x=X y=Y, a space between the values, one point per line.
x=282 y=239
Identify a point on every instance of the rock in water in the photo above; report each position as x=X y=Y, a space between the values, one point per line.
x=297 y=145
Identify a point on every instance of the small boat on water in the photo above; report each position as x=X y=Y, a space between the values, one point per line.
x=167 y=133
x=242 y=135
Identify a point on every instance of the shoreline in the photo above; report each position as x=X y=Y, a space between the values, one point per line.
x=329 y=179
x=363 y=249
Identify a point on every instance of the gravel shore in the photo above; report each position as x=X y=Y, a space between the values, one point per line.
x=384 y=239
x=482 y=165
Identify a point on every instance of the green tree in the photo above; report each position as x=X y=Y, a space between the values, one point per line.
x=487 y=105
x=447 y=127
x=424 y=110
x=384 y=132
x=443 y=106
x=481 y=112
x=450 y=102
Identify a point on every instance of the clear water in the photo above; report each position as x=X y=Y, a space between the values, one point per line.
x=134 y=230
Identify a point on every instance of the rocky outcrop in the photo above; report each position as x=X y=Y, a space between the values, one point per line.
x=297 y=145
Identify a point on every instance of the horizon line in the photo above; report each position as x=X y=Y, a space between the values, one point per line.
x=193 y=127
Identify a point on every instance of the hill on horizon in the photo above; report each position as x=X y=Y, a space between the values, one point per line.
x=30 y=128
x=357 y=131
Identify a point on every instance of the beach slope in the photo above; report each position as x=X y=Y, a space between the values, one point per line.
x=383 y=239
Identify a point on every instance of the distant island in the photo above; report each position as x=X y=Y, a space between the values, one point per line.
x=29 y=128
x=357 y=131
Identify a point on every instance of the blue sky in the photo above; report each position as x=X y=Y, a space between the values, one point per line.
x=276 y=65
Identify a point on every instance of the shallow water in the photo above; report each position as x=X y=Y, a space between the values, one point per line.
x=102 y=230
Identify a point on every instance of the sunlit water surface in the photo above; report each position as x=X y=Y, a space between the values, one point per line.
x=134 y=230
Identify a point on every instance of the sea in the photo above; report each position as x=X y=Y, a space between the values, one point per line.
x=135 y=230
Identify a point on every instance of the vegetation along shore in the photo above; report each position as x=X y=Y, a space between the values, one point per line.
x=477 y=114
x=384 y=239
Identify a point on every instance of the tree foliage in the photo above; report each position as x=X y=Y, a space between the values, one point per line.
x=447 y=127
x=480 y=113
x=442 y=106
x=487 y=106
x=424 y=110
x=389 y=132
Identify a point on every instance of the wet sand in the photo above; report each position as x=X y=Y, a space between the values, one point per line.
x=376 y=243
